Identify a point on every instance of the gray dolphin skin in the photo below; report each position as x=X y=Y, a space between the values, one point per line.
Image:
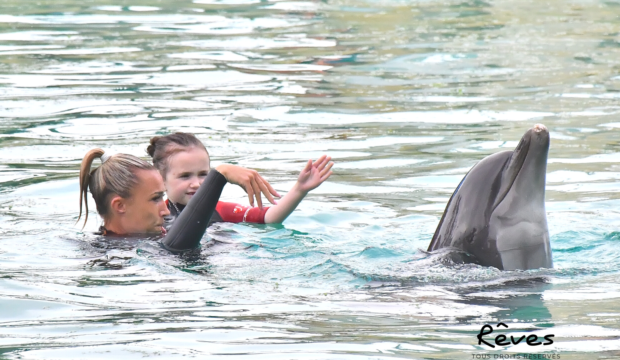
x=497 y=213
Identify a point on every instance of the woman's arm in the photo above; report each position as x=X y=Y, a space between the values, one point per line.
x=313 y=175
x=191 y=225
x=189 y=228
x=250 y=181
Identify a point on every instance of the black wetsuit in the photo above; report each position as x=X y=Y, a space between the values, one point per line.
x=224 y=212
x=190 y=225
x=176 y=209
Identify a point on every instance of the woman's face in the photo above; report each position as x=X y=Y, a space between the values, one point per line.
x=187 y=169
x=145 y=209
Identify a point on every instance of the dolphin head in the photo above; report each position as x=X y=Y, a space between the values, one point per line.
x=526 y=169
x=497 y=213
x=518 y=222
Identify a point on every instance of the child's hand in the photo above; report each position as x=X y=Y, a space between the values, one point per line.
x=250 y=181
x=314 y=174
x=309 y=178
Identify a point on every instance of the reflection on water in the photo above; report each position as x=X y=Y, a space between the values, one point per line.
x=405 y=96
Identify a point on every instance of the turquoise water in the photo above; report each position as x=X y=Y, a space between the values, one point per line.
x=405 y=96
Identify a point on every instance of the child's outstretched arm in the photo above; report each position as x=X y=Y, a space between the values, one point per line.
x=313 y=175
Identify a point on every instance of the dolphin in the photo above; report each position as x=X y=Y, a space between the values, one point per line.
x=496 y=215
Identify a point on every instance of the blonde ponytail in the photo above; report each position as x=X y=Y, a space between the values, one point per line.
x=85 y=180
x=115 y=176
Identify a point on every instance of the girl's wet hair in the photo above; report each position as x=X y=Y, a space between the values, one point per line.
x=163 y=147
x=115 y=176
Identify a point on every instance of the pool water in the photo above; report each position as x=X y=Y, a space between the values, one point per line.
x=405 y=96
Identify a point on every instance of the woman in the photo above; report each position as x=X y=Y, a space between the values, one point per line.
x=128 y=194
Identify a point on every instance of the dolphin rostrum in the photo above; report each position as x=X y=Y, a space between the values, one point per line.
x=497 y=213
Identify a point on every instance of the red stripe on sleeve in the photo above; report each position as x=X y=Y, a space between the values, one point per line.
x=236 y=213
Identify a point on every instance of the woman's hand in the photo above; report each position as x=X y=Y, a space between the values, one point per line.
x=250 y=181
x=314 y=174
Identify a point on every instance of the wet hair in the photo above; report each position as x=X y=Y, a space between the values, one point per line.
x=163 y=147
x=115 y=176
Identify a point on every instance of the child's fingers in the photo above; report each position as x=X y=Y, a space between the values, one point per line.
x=319 y=160
x=323 y=163
x=308 y=166
x=326 y=176
x=326 y=170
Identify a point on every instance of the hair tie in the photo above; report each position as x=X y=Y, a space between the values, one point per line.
x=106 y=156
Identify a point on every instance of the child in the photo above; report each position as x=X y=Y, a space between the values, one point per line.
x=183 y=162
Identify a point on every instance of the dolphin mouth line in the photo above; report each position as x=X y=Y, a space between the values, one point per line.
x=514 y=178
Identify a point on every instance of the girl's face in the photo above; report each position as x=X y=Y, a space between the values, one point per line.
x=187 y=169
